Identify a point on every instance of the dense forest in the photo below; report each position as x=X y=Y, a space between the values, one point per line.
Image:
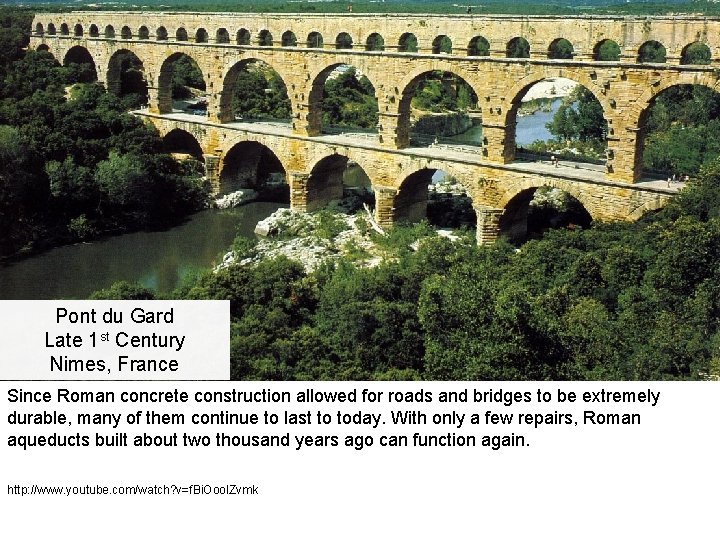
x=73 y=164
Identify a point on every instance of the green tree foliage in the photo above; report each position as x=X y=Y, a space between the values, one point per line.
x=261 y=93
x=580 y=117
x=122 y=290
x=682 y=130
x=652 y=52
x=440 y=91
x=696 y=53
x=72 y=163
x=349 y=100
x=186 y=76
x=561 y=49
x=617 y=301
x=518 y=48
x=609 y=51
x=442 y=45
x=408 y=43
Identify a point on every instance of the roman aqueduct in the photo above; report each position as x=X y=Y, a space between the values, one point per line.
x=305 y=49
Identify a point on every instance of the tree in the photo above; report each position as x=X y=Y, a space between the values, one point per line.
x=261 y=93
x=580 y=117
x=609 y=51
x=186 y=75
x=349 y=100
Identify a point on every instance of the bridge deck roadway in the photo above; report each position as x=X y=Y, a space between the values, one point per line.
x=456 y=153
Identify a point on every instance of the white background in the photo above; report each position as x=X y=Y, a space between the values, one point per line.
x=656 y=480
x=25 y=355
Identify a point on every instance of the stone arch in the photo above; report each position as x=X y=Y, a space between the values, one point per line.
x=109 y=32
x=180 y=141
x=327 y=181
x=51 y=29
x=165 y=85
x=94 y=32
x=606 y=50
x=315 y=40
x=122 y=63
x=639 y=115
x=375 y=42
x=80 y=55
x=181 y=34
x=343 y=41
x=696 y=53
x=410 y=204
x=354 y=156
x=652 y=52
x=201 y=36
x=561 y=49
x=682 y=78
x=518 y=47
x=242 y=37
x=43 y=47
x=315 y=95
x=442 y=45
x=78 y=30
x=222 y=36
x=39 y=29
x=161 y=34
x=408 y=43
x=289 y=39
x=64 y=30
x=407 y=87
x=478 y=46
x=143 y=32
x=230 y=77
x=252 y=164
x=572 y=188
x=126 y=33
x=265 y=38
x=413 y=201
x=649 y=206
x=516 y=201
x=518 y=91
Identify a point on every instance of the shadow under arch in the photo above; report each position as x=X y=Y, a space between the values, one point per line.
x=85 y=70
x=338 y=180
x=165 y=79
x=435 y=195
x=532 y=210
x=179 y=141
x=126 y=75
x=357 y=110
x=252 y=165
x=274 y=83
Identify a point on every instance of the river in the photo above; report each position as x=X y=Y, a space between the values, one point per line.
x=159 y=260
x=530 y=128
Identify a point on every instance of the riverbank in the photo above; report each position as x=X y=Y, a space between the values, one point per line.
x=160 y=260
x=328 y=236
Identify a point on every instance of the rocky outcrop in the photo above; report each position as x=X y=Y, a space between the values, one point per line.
x=236 y=198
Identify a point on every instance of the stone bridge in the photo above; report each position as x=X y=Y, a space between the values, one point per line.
x=395 y=52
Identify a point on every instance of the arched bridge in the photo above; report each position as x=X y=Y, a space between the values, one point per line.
x=500 y=57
